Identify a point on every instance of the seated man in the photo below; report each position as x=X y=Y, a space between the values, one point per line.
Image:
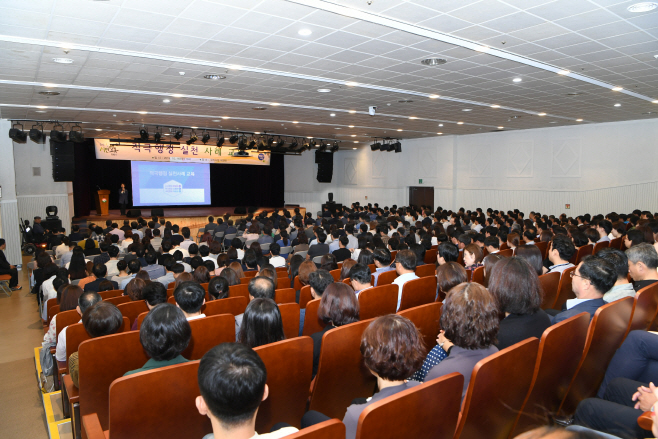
x=622 y=287
x=343 y=252
x=491 y=243
x=642 y=264
x=85 y=301
x=318 y=280
x=591 y=280
x=154 y=270
x=190 y=298
x=447 y=252
x=169 y=277
x=153 y=294
x=232 y=384
x=382 y=261
x=360 y=278
x=276 y=260
x=319 y=249
x=559 y=253
x=405 y=265
x=259 y=287
x=626 y=391
x=133 y=268
x=99 y=271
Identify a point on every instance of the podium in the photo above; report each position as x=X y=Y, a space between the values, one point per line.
x=103 y=202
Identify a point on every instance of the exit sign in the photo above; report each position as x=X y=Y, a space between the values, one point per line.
x=567 y=206
x=420 y=181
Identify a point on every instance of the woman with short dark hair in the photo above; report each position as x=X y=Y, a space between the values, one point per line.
x=533 y=256
x=448 y=276
x=345 y=268
x=218 y=288
x=328 y=262
x=165 y=334
x=261 y=324
x=231 y=276
x=338 y=306
x=472 y=257
x=515 y=286
x=237 y=269
x=201 y=275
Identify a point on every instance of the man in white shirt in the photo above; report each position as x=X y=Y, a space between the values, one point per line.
x=360 y=278
x=156 y=242
x=353 y=242
x=117 y=231
x=392 y=228
x=185 y=245
x=63 y=248
x=491 y=244
x=111 y=265
x=276 y=261
x=190 y=298
x=604 y=228
x=529 y=237
x=559 y=253
x=85 y=301
x=405 y=265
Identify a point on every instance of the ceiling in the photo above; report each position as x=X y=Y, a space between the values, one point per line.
x=128 y=55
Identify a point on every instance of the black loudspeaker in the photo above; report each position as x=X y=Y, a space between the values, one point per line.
x=240 y=210
x=134 y=213
x=325 y=161
x=51 y=224
x=252 y=209
x=157 y=212
x=63 y=159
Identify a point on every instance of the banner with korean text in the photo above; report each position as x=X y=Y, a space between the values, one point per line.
x=108 y=149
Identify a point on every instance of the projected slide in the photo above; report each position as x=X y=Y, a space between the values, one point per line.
x=173 y=184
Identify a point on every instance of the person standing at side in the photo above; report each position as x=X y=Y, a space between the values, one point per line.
x=123 y=199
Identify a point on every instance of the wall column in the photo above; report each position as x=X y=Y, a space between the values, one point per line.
x=9 y=223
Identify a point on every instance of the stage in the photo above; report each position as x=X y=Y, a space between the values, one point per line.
x=192 y=217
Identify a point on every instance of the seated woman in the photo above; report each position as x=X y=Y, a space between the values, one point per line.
x=515 y=286
x=328 y=262
x=201 y=275
x=306 y=268
x=448 y=276
x=101 y=319
x=231 y=276
x=134 y=289
x=470 y=324
x=345 y=269
x=472 y=257
x=218 y=288
x=153 y=294
x=261 y=324
x=533 y=256
x=338 y=306
x=165 y=334
x=392 y=350
x=237 y=269
x=513 y=240
x=489 y=261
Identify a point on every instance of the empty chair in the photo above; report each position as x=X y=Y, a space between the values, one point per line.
x=644 y=309
x=488 y=410
x=617 y=243
x=564 y=291
x=219 y=236
x=378 y=301
x=111 y=293
x=285 y=251
x=430 y=257
x=543 y=248
x=506 y=253
x=317 y=260
x=427 y=320
x=118 y=300
x=549 y=285
x=238 y=291
x=583 y=251
x=606 y=333
x=302 y=253
x=341 y=375
x=284 y=295
x=305 y=296
x=420 y=406
x=418 y=292
x=290 y=319
x=334 y=273
x=560 y=349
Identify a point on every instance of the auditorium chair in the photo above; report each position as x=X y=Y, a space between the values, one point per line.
x=460 y=258
x=231 y=305
x=207 y=333
x=426 y=270
x=427 y=318
x=560 y=349
x=599 y=246
x=564 y=291
x=378 y=301
x=331 y=429
x=583 y=251
x=240 y=290
x=549 y=284
x=604 y=336
x=543 y=248
x=418 y=292
x=498 y=387
x=304 y=296
x=219 y=237
x=289 y=365
x=245 y=280
x=504 y=246
x=284 y=295
x=372 y=268
x=386 y=278
x=430 y=256
x=52 y=312
x=341 y=375
x=302 y=253
x=199 y=234
x=645 y=306
x=477 y=276
x=158 y=403
x=393 y=254
x=171 y=285
x=49 y=304
x=265 y=248
x=506 y=253
x=118 y=300
x=111 y=293
x=132 y=310
x=427 y=411
x=312 y=323
x=285 y=251
x=290 y=319
x=335 y=274
x=251 y=273
x=297 y=284
x=617 y=243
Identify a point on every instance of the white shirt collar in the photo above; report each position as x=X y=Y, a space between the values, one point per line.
x=573 y=302
x=196 y=317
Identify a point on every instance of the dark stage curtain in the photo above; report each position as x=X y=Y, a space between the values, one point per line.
x=230 y=185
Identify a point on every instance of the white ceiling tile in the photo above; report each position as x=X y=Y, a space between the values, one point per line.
x=476 y=33
x=513 y=22
x=366 y=29
x=483 y=11
x=445 y=23
x=409 y=12
x=628 y=40
x=72 y=38
x=133 y=18
x=122 y=44
x=85 y=10
x=539 y=32
x=192 y=28
x=559 y=9
x=293 y=11
x=221 y=48
x=132 y=34
x=343 y=39
x=375 y=47
x=283 y=44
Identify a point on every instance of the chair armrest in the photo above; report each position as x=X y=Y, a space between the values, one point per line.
x=72 y=392
x=92 y=426
x=62 y=366
x=645 y=421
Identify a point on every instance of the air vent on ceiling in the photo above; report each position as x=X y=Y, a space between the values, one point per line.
x=214 y=77
x=49 y=93
x=433 y=61
x=405 y=101
x=574 y=94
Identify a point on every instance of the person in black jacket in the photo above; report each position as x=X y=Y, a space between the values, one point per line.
x=7 y=268
x=123 y=199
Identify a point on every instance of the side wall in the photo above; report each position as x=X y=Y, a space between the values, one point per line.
x=595 y=168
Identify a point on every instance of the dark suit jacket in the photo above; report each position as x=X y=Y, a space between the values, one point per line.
x=318 y=250
x=341 y=254
x=317 y=346
x=4 y=264
x=93 y=286
x=589 y=306
x=221 y=228
x=210 y=226
x=517 y=327
x=75 y=237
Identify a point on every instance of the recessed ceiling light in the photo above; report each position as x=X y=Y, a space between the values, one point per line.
x=482 y=48
x=352 y=111
x=256 y=132
x=351 y=126
x=352 y=135
x=433 y=61
x=405 y=101
x=259 y=108
x=579 y=120
x=143 y=112
x=353 y=148
x=467 y=109
x=98 y=129
x=305 y=32
x=356 y=141
x=517 y=80
x=460 y=123
x=167 y=134
x=294 y=121
x=434 y=96
x=413 y=117
x=40 y=111
x=275 y=104
x=655 y=102
x=541 y=114
x=49 y=93
x=500 y=128
x=495 y=106
x=194 y=128
x=63 y=60
x=333 y=115
x=181 y=73
x=226 y=117
x=642 y=7
x=166 y=101
x=440 y=124
x=399 y=129
x=439 y=134
x=234 y=67
x=563 y=72
x=617 y=105
x=216 y=120
x=338 y=128
x=617 y=88
x=351 y=84
x=214 y=77
x=324 y=90
x=552 y=121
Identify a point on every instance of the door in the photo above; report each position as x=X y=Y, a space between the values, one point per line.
x=421 y=195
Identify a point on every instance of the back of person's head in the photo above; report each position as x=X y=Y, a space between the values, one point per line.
x=275 y=249
x=134 y=289
x=305 y=269
x=319 y=280
x=645 y=253
x=515 y=285
x=407 y=259
x=470 y=316
x=218 y=288
x=338 y=305
x=261 y=324
x=154 y=293
x=190 y=297
x=261 y=287
x=232 y=383
x=134 y=266
x=448 y=251
x=449 y=275
x=360 y=273
x=102 y=318
x=617 y=258
x=532 y=255
x=392 y=347
x=201 y=274
x=564 y=246
x=579 y=239
x=165 y=332
x=99 y=270
x=87 y=300
x=474 y=250
x=601 y=273
x=69 y=297
x=113 y=251
x=105 y=285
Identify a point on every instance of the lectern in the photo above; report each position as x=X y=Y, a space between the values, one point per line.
x=102 y=202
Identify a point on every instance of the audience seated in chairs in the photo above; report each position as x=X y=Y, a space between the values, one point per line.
x=261 y=324
x=218 y=288
x=190 y=298
x=259 y=288
x=405 y=265
x=73 y=294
